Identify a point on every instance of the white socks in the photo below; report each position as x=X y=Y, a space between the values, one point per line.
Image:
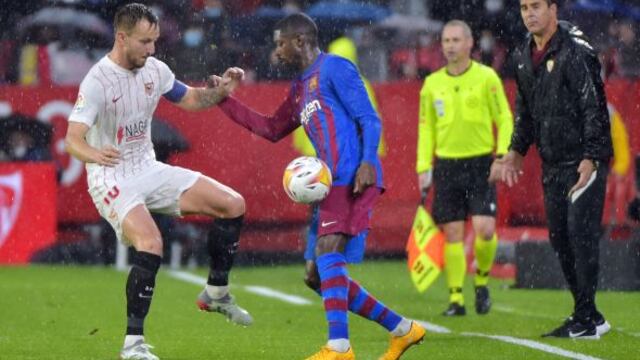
x=217 y=292
x=403 y=328
x=132 y=339
x=339 y=345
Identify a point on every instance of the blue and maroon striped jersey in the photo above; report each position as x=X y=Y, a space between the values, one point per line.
x=330 y=101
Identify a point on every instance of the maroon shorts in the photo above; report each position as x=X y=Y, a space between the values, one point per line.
x=343 y=212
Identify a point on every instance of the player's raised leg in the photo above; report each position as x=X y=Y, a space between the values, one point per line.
x=403 y=332
x=141 y=231
x=211 y=198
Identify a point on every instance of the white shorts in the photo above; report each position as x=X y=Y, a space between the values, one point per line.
x=158 y=187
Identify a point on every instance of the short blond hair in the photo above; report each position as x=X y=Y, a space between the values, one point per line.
x=465 y=27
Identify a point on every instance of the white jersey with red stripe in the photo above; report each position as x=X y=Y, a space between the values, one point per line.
x=118 y=105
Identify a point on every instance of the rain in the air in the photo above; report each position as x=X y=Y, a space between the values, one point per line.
x=319 y=179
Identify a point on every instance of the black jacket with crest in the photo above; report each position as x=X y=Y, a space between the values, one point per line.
x=561 y=104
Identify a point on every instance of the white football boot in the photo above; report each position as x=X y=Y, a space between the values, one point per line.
x=138 y=351
x=226 y=306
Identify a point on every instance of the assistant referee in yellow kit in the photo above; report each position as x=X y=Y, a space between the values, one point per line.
x=459 y=106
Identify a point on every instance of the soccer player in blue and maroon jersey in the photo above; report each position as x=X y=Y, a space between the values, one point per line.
x=329 y=100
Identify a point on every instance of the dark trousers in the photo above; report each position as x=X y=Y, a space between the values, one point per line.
x=575 y=228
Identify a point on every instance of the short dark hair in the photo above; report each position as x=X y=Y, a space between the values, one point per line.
x=299 y=23
x=129 y=15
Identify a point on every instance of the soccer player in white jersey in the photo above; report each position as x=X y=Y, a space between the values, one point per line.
x=109 y=130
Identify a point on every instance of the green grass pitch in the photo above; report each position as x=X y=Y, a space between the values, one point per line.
x=63 y=312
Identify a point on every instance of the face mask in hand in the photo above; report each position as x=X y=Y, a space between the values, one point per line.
x=193 y=37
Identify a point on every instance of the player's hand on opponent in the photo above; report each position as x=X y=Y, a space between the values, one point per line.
x=507 y=169
x=109 y=156
x=228 y=82
x=233 y=73
x=365 y=177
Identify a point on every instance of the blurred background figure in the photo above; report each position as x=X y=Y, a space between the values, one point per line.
x=619 y=184
x=627 y=52
x=24 y=139
x=58 y=45
x=490 y=51
x=420 y=59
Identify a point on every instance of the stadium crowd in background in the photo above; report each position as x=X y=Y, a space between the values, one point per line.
x=57 y=43
x=207 y=36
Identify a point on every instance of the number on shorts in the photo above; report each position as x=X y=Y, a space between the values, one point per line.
x=112 y=194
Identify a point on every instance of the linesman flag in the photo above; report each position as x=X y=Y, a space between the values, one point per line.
x=425 y=250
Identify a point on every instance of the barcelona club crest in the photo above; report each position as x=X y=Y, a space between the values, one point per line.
x=313 y=83
x=148 y=88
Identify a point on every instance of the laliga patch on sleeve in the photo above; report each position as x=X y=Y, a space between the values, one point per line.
x=79 y=106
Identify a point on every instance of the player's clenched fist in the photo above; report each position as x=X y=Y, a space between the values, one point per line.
x=233 y=73
x=228 y=82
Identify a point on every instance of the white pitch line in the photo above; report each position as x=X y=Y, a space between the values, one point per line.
x=188 y=277
x=259 y=290
x=275 y=294
x=535 y=345
x=434 y=328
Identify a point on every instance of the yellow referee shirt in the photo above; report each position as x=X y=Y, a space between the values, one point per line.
x=457 y=114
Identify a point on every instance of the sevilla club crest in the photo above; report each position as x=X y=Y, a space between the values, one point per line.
x=148 y=88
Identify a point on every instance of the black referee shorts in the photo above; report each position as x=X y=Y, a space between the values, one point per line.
x=462 y=189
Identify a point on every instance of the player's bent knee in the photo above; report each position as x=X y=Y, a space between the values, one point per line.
x=330 y=243
x=312 y=281
x=237 y=206
x=231 y=207
x=150 y=244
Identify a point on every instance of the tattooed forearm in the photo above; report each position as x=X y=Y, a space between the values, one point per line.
x=207 y=97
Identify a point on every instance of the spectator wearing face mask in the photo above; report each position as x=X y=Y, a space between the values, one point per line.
x=193 y=53
x=490 y=51
x=24 y=139
x=627 y=51
x=198 y=55
x=215 y=20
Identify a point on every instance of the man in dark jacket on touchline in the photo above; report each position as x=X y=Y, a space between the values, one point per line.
x=562 y=108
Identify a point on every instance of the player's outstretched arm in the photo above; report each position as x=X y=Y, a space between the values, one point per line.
x=204 y=97
x=77 y=146
x=271 y=127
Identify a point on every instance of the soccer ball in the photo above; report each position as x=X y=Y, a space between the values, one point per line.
x=307 y=180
